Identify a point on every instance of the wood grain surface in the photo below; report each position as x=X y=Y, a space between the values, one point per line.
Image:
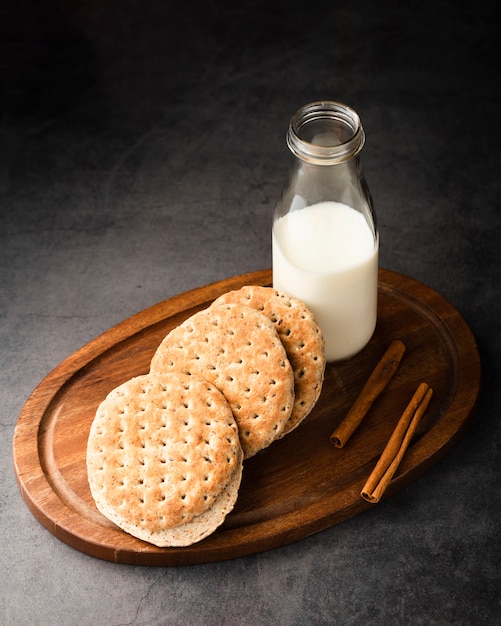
x=299 y=485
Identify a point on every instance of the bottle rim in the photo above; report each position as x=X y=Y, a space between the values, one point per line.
x=328 y=111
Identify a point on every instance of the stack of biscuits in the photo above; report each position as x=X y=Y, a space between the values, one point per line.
x=166 y=449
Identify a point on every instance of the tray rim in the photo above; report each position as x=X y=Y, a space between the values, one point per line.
x=47 y=391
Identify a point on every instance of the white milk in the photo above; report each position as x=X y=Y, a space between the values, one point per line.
x=326 y=256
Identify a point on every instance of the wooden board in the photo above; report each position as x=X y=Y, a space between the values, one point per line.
x=300 y=484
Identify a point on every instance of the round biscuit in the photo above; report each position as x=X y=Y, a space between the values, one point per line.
x=302 y=339
x=238 y=350
x=161 y=451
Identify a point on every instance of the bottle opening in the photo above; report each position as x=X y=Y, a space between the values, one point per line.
x=326 y=133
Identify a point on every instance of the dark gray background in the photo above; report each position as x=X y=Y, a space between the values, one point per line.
x=142 y=148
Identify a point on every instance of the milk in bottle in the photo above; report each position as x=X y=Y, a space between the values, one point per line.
x=326 y=256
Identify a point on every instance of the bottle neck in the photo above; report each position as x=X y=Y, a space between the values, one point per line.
x=325 y=133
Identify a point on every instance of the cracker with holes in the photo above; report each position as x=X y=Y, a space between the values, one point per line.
x=164 y=460
x=301 y=337
x=237 y=349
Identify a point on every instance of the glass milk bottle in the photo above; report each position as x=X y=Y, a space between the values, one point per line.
x=325 y=238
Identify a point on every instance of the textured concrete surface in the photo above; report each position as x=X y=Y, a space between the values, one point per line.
x=141 y=152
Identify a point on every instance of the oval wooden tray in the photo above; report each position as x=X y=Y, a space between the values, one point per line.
x=300 y=484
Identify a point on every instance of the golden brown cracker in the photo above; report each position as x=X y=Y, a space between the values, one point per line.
x=301 y=337
x=161 y=450
x=237 y=349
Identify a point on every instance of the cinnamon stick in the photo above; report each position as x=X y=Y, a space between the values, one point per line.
x=398 y=443
x=377 y=381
